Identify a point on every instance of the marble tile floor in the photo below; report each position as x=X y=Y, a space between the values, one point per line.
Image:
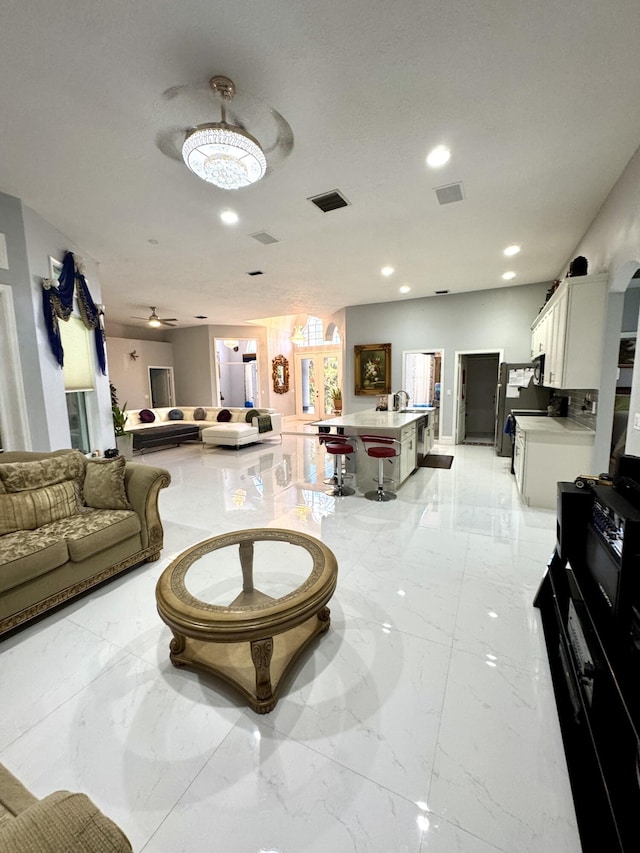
x=423 y=722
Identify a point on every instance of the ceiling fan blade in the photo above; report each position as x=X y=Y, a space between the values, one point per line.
x=169 y=142
x=146 y=319
x=167 y=323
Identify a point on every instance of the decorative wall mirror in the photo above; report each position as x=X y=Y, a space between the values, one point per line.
x=280 y=374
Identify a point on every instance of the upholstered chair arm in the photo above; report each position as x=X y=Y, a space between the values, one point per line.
x=62 y=823
x=143 y=484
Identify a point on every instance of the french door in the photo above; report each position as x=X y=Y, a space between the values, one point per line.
x=317 y=373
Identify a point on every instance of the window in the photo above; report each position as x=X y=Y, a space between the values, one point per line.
x=78 y=421
x=79 y=378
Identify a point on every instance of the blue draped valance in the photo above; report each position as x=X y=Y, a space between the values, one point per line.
x=57 y=304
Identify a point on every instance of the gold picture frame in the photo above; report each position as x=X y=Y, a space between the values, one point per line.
x=280 y=374
x=372 y=365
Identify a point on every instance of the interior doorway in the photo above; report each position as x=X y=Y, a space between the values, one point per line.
x=237 y=366
x=422 y=372
x=476 y=382
x=317 y=373
x=161 y=387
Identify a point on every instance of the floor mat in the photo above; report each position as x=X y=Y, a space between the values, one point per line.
x=436 y=460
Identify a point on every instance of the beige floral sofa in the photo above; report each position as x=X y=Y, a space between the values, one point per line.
x=68 y=523
x=241 y=426
x=60 y=823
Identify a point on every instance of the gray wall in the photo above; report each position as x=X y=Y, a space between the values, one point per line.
x=131 y=376
x=484 y=320
x=43 y=241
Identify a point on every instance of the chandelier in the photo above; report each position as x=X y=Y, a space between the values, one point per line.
x=221 y=153
x=298 y=336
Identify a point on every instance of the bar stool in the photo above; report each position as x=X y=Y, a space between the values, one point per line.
x=381 y=447
x=324 y=436
x=339 y=446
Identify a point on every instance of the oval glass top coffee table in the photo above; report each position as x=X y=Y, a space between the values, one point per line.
x=247 y=624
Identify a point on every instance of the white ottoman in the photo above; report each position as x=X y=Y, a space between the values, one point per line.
x=231 y=434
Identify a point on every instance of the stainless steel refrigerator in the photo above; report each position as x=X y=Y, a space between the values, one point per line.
x=516 y=391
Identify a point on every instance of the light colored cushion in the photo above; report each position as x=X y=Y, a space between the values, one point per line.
x=31 y=509
x=94 y=530
x=26 y=555
x=24 y=476
x=104 y=484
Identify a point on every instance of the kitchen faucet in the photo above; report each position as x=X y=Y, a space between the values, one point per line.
x=396 y=399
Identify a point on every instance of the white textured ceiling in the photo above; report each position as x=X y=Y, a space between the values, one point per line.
x=537 y=101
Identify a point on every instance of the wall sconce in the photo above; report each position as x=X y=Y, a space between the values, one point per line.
x=133 y=355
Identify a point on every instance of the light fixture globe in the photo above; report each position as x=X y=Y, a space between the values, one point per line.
x=224 y=155
x=221 y=153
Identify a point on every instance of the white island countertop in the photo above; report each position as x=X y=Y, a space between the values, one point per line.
x=372 y=419
x=557 y=426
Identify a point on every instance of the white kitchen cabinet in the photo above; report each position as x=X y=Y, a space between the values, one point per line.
x=408 y=451
x=548 y=451
x=569 y=332
x=541 y=336
x=429 y=433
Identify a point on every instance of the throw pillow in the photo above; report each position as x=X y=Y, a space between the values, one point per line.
x=30 y=509
x=146 y=416
x=176 y=415
x=224 y=415
x=251 y=414
x=199 y=414
x=104 y=484
x=23 y=476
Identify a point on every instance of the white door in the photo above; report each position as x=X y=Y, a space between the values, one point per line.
x=317 y=373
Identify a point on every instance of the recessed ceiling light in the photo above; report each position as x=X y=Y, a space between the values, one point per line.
x=512 y=250
x=507 y=276
x=387 y=271
x=405 y=288
x=229 y=217
x=438 y=156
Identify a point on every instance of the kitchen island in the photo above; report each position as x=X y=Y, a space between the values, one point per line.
x=410 y=427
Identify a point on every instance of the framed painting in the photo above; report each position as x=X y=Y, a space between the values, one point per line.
x=372 y=363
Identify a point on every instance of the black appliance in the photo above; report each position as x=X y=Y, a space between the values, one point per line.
x=529 y=397
x=538 y=370
x=612 y=554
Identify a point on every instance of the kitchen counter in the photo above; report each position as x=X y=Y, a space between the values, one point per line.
x=549 y=450
x=372 y=419
x=553 y=426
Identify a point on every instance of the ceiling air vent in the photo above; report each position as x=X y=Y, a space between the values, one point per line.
x=441 y=292
x=450 y=193
x=255 y=272
x=329 y=201
x=263 y=237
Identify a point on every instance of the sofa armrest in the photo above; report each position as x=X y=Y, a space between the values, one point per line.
x=143 y=484
x=62 y=823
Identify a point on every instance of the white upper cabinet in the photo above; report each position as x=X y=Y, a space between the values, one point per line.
x=569 y=331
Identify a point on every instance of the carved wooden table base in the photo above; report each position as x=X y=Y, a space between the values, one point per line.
x=252 y=642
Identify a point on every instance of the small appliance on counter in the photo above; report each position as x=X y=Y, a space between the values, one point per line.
x=558 y=407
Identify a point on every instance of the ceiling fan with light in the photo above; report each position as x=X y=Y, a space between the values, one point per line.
x=250 y=141
x=154 y=321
